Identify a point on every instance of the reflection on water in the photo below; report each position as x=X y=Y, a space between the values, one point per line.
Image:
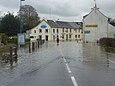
x=75 y=53
x=28 y=62
x=92 y=53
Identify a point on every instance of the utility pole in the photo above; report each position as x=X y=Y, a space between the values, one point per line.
x=21 y=15
x=21 y=36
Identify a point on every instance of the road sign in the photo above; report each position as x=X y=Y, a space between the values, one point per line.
x=43 y=26
x=21 y=39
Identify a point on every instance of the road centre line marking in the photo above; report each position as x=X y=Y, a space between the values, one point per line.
x=72 y=77
x=69 y=71
x=74 y=81
x=64 y=60
x=112 y=61
x=68 y=68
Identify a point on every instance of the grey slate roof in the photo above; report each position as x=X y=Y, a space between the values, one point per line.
x=52 y=23
x=76 y=24
x=62 y=24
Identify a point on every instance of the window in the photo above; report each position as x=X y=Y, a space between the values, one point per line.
x=40 y=30
x=70 y=30
x=67 y=30
x=46 y=30
x=63 y=30
x=69 y=36
x=57 y=31
x=53 y=30
x=34 y=31
x=78 y=36
x=75 y=36
x=40 y=37
x=46 y=37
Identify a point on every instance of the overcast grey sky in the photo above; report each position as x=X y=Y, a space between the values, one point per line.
x=66 y=10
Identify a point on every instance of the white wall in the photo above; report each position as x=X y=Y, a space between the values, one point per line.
x=43 y=33
x=96 y=18
x=50 y=33
x=111 y=31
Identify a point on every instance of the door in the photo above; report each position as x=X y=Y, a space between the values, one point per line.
x=46 y=37
x=40 y=37
x=67 y=37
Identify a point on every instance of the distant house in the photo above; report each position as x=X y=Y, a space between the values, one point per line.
x=96 y=25
x=49 y=30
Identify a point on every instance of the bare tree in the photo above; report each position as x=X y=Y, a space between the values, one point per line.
x=30 y=17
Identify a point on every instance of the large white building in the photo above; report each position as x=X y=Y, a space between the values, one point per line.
x=49 y=30
x=96 y=25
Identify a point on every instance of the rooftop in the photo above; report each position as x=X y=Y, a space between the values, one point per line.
x=63 y=24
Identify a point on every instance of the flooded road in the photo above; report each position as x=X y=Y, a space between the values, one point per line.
x=93 y=67
x=68 y=64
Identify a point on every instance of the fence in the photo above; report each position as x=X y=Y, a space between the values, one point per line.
x=35 y=44
x=8 y=54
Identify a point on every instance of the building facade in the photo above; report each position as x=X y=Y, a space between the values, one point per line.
x=96 y=25
x=49 y=30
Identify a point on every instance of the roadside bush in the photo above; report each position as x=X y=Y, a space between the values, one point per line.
x=4 y=38
x=27 y=40
x=107 y=42
x=13 y=40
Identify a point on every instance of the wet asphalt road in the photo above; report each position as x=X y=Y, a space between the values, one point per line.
x=68 y=64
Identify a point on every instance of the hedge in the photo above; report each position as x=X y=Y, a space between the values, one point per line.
x=15 y=40
x=12 y=41
x=107 y=42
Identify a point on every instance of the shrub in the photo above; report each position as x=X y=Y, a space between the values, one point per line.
x=27 y=40
x=107 y=42
x=4 y=38
x=13 y=40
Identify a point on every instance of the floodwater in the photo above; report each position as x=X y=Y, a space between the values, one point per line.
x=87 y=61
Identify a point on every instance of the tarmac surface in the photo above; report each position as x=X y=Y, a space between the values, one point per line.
x=66 y=64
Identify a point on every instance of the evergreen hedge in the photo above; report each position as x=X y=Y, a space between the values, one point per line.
x=107 y=42
x=15 y=40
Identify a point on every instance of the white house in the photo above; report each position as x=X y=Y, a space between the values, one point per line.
x=49 y=30
x=96 y=25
